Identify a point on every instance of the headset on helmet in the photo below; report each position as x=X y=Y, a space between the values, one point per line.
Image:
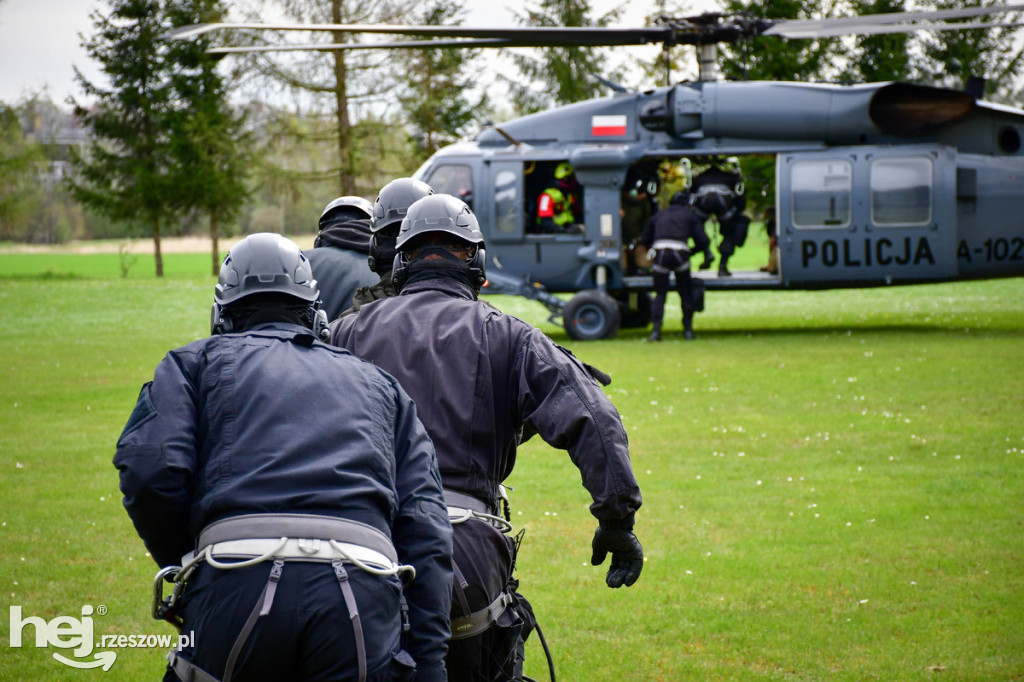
x=357 y=206
x=264 y=263
x=389 y=209
x=440 y=213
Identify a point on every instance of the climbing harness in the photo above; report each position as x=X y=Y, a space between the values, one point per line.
x=250 y=539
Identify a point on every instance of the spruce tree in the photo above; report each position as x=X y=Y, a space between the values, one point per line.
x=126 y=173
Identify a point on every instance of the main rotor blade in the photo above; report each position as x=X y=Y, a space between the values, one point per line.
x=539 y=36
x=905 y=28
x=332 y=47
x=814 y=28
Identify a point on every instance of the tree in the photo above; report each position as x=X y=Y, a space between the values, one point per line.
x=436 y=104
x=883 y=57
x=126 y=174
x=672 y=63
x=952 y=57
x=770 y=58
x=22 y=163
x=209 y=145
x=338 y=81
x=564 y=74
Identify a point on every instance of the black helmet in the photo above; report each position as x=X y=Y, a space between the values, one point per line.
x=392 y=204
x=440 y=213
x=394 y=201
x=263 y=263
x=356 y=207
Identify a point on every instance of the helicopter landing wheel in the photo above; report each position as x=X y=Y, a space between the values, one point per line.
x=591 y=315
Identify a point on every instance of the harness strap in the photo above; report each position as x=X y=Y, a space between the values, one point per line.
x=453 y=498
x=187 y=671
x=478 y=621
x=673 y=244
x=262 y=608
x=459 y=586
x=353 y=611
x=248 y=526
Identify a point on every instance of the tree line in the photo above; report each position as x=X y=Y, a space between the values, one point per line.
x=181 y=140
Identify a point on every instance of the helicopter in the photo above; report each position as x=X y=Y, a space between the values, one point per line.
x=875 y=184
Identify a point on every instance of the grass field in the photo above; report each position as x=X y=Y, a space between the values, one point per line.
x=833 y=481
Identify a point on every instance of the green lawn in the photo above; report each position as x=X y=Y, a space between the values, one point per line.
x=833 y=481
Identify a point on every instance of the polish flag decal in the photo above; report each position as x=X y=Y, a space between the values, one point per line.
x=608 y=126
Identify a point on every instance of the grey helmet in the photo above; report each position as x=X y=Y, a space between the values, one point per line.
x=263 y=263
x=358 y=207
x=389 y=210
x=440 y=213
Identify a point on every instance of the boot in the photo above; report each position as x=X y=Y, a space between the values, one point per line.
x=688 y=326
x=709 y=259
x=655 y=333
x=723 y=270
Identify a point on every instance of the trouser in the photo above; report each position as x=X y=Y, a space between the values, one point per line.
x=734 y=234
x=306 y=635
x=684 y=286
x=484 y=559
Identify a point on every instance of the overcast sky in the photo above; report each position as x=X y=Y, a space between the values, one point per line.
x=39 y=39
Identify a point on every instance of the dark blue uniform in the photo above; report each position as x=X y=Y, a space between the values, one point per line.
x=677 y=223
x=484 y=381
x=339 y=264
x=264 y=421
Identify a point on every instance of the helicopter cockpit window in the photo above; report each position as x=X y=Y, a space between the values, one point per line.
x=821 y=193
x=455 y=179
x=901 y=191
x=506 y=202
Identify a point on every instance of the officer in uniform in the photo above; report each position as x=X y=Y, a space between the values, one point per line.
x=483 y=382
x=560 y=207
x=718 y=191
x=391 y=205
x=667 y=236
x=298 y=515
x=338 y=257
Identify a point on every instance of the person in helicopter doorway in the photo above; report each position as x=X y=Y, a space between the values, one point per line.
x=299 y=516
x=387 y=212
x=560 y=205
x=667 y=236
x=718 y=191
x=637 y=206
x=338 y=257
x=484 y=382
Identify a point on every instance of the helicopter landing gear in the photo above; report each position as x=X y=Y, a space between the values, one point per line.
x=591 y=315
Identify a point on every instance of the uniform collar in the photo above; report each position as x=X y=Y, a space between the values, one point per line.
x=444 y=285
x=281 y=330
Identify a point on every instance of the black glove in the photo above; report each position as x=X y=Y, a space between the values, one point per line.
x=627 y=555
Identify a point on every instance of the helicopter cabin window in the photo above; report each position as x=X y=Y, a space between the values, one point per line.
x=506 y=202
x=901 y=191
x=455 y=179
x=821 y=193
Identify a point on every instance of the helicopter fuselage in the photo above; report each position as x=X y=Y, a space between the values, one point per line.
x=874 y=184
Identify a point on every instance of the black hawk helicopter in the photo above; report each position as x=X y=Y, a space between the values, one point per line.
x=875 y=184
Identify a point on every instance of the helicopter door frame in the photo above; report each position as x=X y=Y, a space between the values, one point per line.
x=867 y=215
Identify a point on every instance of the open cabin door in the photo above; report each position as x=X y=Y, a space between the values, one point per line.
x=509 y=223
x=867 y=215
